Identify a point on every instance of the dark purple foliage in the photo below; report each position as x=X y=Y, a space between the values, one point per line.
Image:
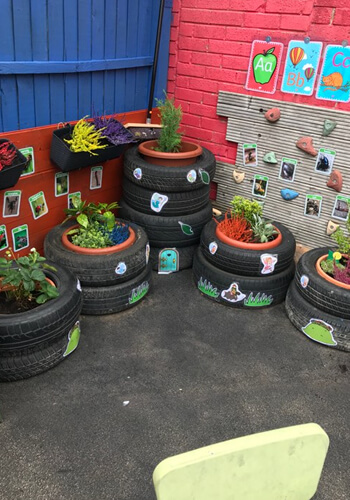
x=343 y=275
x=114 y=131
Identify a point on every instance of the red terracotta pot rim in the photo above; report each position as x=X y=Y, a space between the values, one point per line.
x=8 y=287
x=97 y=251
x=328 y=278
x=188 y=150
x=249 y=246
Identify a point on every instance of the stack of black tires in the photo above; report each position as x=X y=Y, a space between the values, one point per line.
x=170 y=203
x=240 y=277
x=110 y=282
x=317 y=307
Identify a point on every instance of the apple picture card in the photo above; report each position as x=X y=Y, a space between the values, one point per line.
x=264 y=64
x=300 y=68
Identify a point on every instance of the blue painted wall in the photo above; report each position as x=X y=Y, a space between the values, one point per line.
x=63 y=59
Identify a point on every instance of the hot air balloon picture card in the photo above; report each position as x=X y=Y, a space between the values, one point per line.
x=301 y=65
x=334 y=82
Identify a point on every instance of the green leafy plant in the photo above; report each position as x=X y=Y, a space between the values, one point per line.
x=23 y=279
x=97 y=224
x=86 y=138
x=263 y=230
x=245 y=208
x=170 y=116
x=342 y=239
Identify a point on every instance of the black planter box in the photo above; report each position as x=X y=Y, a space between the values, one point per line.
x=66 y=160
x=9 y=175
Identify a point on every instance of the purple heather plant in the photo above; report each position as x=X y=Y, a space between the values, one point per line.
x=113 y=130
x=343 y=275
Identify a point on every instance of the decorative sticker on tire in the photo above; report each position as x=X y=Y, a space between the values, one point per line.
x=73 y=339
x=192 y=176
x=79 y=285
x=121 y=268
x=213 y=247
x=262 y=300
x=204 y=176
x=139 y=292
x=158 y=201
x=304 y=280
x=186 y=228
x=148 y=251
x=137 y=173
x=207 y=288
x=233 y=294
x=319 y=331
x=268 y=261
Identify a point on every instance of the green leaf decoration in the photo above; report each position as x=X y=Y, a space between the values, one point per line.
x=73 y=339
x=270 y=50
x=204 y=176
x=186 y=228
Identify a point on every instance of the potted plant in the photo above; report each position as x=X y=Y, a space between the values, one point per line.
x=334 y=267
x=109 y=256
x=88 y=142
x=39 y=310
x=169 y=149
x=12 y=163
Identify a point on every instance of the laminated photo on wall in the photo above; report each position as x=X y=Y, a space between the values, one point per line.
x=30 y=165
x=12 y=203
x=341 y=208
x=313 y=205
x=96 y=177
x=20 y=237
x=38 y=205
x=61 y=183
x=76 y=195
x=250 y=155
x=324 y=161
x=3 y=237
x=260 y=184
x=288 y=168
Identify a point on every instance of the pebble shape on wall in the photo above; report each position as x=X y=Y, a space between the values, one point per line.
x=217 y=212
x=238 y=177
x=270 y=157
x=335 y=180
x=289 y=194
x=273 y=115
x=331 y=227
x=328 y=126
x=306 y=144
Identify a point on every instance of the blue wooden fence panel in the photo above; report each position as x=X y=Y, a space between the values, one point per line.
x=62 y=60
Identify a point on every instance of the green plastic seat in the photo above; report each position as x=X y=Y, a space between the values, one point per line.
x=282 y=464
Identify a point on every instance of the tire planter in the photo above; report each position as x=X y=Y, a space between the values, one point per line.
x=240 y=291
x=178 y=203
x=316 y=290
x=320 y=326
x=29 y=339
x=247 y=262
x=98 y=270
x=185 y=257
x=169 y=179
x=115 y=298
x=163 y=232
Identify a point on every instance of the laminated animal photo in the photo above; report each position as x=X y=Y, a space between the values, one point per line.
x=324 y=161
x=288 y=168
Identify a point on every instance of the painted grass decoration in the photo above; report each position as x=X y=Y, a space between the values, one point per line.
x=207 y=288
x=258 y=301
x=139 y=292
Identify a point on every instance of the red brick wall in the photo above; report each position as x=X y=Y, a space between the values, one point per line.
x=210 y=46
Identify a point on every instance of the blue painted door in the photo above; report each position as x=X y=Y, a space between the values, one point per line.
x=63 y=59
x=168 y=260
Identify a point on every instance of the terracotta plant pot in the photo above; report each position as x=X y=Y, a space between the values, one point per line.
x=97 y=251
x=249 y=246
x=186 y=156
x=326 y=276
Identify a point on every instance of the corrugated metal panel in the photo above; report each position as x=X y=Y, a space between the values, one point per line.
x=247 y=124
x=61 y=60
